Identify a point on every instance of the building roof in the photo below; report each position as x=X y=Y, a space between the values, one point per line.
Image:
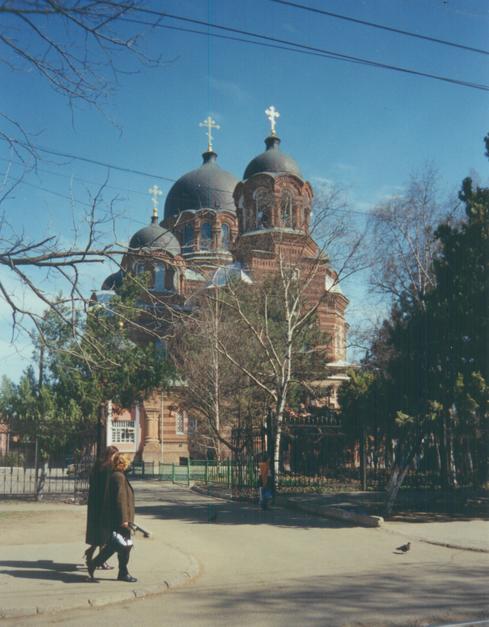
x=331 y=285
x=155 y=237
x=228 y=274
x=113 y=281
x=207 y=187
x=272 y=160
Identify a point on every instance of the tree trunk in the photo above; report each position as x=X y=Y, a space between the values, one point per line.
x=400 y=471
x=398 y=475
x=363 y=460
x=444 y=453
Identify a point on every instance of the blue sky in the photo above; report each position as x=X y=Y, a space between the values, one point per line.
x=364 y=128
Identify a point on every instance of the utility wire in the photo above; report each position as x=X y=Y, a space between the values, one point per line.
x=297 y=47
x=75 y=178
x=114 y=167
x=391 y=29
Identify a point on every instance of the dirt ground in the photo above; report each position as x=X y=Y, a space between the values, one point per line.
x=42 y=524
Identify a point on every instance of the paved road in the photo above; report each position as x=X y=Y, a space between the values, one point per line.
x=286 y=568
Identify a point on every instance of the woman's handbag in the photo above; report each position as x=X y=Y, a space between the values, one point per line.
x=120 y=542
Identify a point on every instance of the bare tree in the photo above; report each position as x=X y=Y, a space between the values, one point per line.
x=217 y=394
x=275 y=340
x=403 y=243
x=80 y=49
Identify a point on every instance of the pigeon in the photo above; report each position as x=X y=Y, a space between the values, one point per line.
x=404 y=548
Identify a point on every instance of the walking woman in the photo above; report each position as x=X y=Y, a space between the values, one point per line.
x=98 y=489
x=118 y=514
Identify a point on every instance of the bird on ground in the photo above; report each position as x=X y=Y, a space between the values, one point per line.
x=404 y=548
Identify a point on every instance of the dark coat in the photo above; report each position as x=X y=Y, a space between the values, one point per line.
x=98 y=493
x=121 y=500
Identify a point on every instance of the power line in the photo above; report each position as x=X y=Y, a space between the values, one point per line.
x=76 y=178
x=297 y=47
x=81 y=202
x=104 y=164
x=391 y=29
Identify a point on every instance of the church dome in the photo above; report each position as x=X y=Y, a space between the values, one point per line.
x=207 y=187
x=113 y=281
x=272 y=160
x=156 y=237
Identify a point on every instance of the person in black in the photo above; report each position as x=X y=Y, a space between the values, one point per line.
x=99 y=482
x=117 y=515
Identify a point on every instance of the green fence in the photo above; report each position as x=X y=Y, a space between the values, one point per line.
x=227 y=473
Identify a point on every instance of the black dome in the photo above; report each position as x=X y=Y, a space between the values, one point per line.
x=113 y=281
x=208 y=187
x=272 y=160
x=154 y=236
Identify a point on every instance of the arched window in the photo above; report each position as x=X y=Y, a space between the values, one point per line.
x=161 y=347
x=263 y=206
x=225 y=236
x=159 y=277
x=139 y=267
x=205 y=236
x=188 y=238
x=286 y=207
x=179 y=423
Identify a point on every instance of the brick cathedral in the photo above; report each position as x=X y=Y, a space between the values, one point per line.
x=215 y=226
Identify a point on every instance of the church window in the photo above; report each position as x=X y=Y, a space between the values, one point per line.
x=263 y=205
x=123 y=431
x=139 y=267
x=179 y=423
x=286 y=206
x=205 y=236
x=159 y=277
x=188 y=238
x=225 y=235
x=161 y=347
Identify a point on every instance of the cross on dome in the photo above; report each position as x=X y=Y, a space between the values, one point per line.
x=154 y=192
x=210 y=124
x=272 y=114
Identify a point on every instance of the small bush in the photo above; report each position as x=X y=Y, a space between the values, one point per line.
x=12 y=459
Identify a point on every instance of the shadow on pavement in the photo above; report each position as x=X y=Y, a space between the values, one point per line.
x=381 y=598
x=185 y=505
x=44 y=569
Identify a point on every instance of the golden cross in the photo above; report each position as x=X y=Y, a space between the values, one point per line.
x=272 y=114
x=210 y=124
x=154 y=192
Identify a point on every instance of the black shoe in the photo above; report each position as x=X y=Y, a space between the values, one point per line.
x=129 y=578
x=91 y=568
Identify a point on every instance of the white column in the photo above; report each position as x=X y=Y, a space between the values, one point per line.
x=108 y=424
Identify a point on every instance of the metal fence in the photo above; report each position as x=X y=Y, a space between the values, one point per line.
x=19 y=481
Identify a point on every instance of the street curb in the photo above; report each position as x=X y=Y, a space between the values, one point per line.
x=326 y=511
x=189 y=574
x=445 y=545
x=216 y=493
x=456 y=547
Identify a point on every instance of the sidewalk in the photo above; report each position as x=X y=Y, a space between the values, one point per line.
x=470 y=533
x=42 y=570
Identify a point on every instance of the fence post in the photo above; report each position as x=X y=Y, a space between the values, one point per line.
x=173 y=473
x=206 y=473
x=188 y=471
x=229 y=473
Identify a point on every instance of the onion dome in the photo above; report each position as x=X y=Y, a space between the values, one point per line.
x=207 y=187
x=272 y=160
x=113 y=281
x=155 y=237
